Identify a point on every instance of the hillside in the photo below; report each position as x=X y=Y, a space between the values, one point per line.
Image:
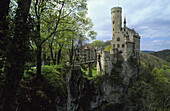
x=152 y=61
x=165 y=54
x=146 y=51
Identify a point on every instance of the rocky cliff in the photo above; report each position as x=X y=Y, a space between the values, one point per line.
x=104 y=93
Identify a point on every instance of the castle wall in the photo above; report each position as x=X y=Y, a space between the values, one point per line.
x=130 y=51
x=137 y=46
x=125 y=42
x=105 y=60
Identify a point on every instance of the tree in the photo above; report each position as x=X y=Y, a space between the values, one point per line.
x=53 y=17
x=16 y=55
x=107 y=43
x=97 y=43
x=107 y=48
x=4 y=9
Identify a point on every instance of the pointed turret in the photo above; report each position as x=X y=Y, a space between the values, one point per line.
x=124 y=22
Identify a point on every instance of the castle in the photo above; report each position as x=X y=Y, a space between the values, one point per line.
x=125 y=42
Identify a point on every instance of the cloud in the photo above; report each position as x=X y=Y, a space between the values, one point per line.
x=155 y=45
x=150 y=18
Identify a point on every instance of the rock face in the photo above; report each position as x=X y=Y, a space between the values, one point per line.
x=111 y=92
x=105 y=93
x=81 y=92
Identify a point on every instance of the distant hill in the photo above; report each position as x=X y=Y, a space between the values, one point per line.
x=146 y=51
x=165 y=54
x=152 y=60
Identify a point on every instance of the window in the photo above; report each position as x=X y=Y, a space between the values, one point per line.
x=113 y=35
x=117 y=16
x=118 y=46
x=123 y=45
x=113 y=45
x=113 y=29
x=118 y=39
x=113 y=22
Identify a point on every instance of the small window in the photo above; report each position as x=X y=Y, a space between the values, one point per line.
x=118 y=39
x=118 y=46
x=113 y=45
x=113 y=22
x=113 y=29
x=123 y=45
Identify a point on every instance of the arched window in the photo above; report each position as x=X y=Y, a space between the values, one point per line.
x=118 y=39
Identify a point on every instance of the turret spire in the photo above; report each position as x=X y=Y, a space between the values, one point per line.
x=124 y=22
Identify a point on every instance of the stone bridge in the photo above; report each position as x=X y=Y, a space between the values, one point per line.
x=88 y=56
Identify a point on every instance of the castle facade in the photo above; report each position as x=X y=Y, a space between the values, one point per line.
x=125 y=43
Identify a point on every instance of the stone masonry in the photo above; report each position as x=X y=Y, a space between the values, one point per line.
x=125 y=42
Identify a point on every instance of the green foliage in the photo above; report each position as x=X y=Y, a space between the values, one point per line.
x=141 y=97
x=97 y=43
x=94 y=73
x=49 y=69
x=133 y=61
x=152 y=91
x=165 y=54
x=107 y=48
x=164 y=66
x=153 y=61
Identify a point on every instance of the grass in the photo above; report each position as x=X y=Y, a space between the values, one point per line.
x=94 y=73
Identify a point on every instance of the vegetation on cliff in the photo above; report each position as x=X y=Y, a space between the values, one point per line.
x=152 y=90
x=38 y=38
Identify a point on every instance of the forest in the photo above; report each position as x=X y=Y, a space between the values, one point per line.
x=38 y=38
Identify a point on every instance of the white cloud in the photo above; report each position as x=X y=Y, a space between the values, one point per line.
x=150 y=18
x=155 y=45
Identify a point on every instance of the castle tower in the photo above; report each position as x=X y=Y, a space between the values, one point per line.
x=116 y=25
x=116 y=20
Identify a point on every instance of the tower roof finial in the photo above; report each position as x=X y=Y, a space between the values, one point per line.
x=124 y=20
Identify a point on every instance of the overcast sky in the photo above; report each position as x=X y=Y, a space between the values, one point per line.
x=150 y=18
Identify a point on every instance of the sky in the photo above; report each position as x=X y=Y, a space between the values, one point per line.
x=150 y=18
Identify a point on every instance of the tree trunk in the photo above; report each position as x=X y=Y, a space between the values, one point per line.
x=90 y=69
x=51 y=52
x=38 y=71
x=16 y=56
x=39 y=49
x=59 y=54
x=72 y=50
x=4 y=7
